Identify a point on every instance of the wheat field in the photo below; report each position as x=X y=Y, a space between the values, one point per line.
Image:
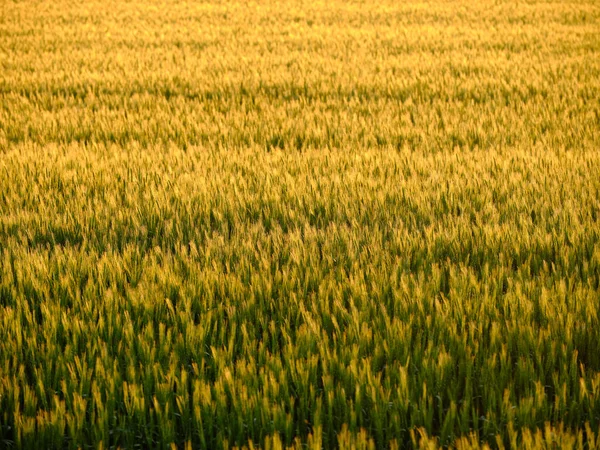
x=305 y=224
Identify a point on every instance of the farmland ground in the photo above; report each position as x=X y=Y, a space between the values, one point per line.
x=334 y=224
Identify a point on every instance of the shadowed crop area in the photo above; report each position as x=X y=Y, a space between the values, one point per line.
x=299 y=224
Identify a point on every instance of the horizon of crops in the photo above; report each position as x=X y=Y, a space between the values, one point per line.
x=299 y=224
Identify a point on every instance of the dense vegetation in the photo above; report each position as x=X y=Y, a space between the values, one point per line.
x=332 y=224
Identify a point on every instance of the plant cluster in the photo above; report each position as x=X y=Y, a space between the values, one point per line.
x=290 y=224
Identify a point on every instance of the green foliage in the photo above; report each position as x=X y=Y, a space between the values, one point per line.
x=286 y=225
